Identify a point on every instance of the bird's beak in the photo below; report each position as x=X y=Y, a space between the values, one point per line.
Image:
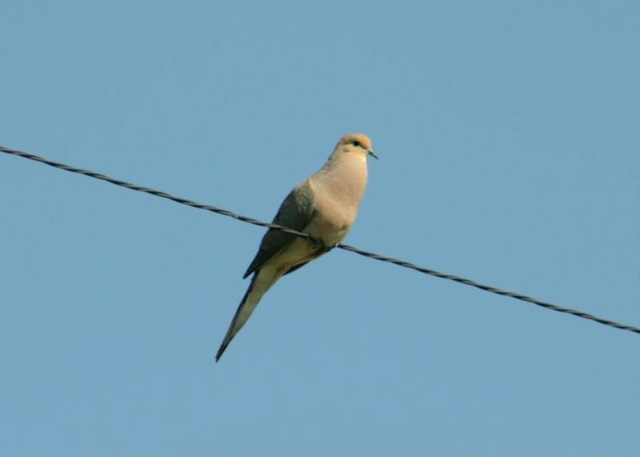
x=371 y=153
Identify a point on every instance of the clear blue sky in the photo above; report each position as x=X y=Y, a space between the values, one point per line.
x=509 y=141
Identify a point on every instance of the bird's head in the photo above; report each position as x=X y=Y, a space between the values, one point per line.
x=355 y=143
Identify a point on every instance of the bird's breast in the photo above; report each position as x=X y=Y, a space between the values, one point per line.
x=336 y=201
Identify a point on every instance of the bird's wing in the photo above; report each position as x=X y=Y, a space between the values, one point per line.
x=296 y=212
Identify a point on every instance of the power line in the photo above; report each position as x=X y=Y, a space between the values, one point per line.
x=346 y=247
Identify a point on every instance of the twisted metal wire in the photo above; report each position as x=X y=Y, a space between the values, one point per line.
x=346 y=247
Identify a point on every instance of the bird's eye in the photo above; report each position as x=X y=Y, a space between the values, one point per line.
x=356 y=143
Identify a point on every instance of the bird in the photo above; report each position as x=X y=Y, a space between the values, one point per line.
x=324 y=206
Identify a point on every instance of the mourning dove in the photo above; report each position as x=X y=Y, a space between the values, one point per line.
x=324 y=206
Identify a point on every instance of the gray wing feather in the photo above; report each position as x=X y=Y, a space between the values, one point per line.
x=295 y=212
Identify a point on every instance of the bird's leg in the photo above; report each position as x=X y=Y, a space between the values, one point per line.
x=320 y=246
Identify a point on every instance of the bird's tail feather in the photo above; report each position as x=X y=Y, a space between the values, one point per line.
x=258 y=287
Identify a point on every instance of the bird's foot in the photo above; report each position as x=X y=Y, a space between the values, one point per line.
x=321 y=246
x=317 y=243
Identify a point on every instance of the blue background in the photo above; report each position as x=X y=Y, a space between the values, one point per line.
x=510 y=153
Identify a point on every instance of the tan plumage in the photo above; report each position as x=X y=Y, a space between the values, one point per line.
x=324 y=206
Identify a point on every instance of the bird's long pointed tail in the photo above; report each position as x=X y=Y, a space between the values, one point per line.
x=258 y=287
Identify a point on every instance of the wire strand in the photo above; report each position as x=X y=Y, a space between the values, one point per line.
x=346 y=247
